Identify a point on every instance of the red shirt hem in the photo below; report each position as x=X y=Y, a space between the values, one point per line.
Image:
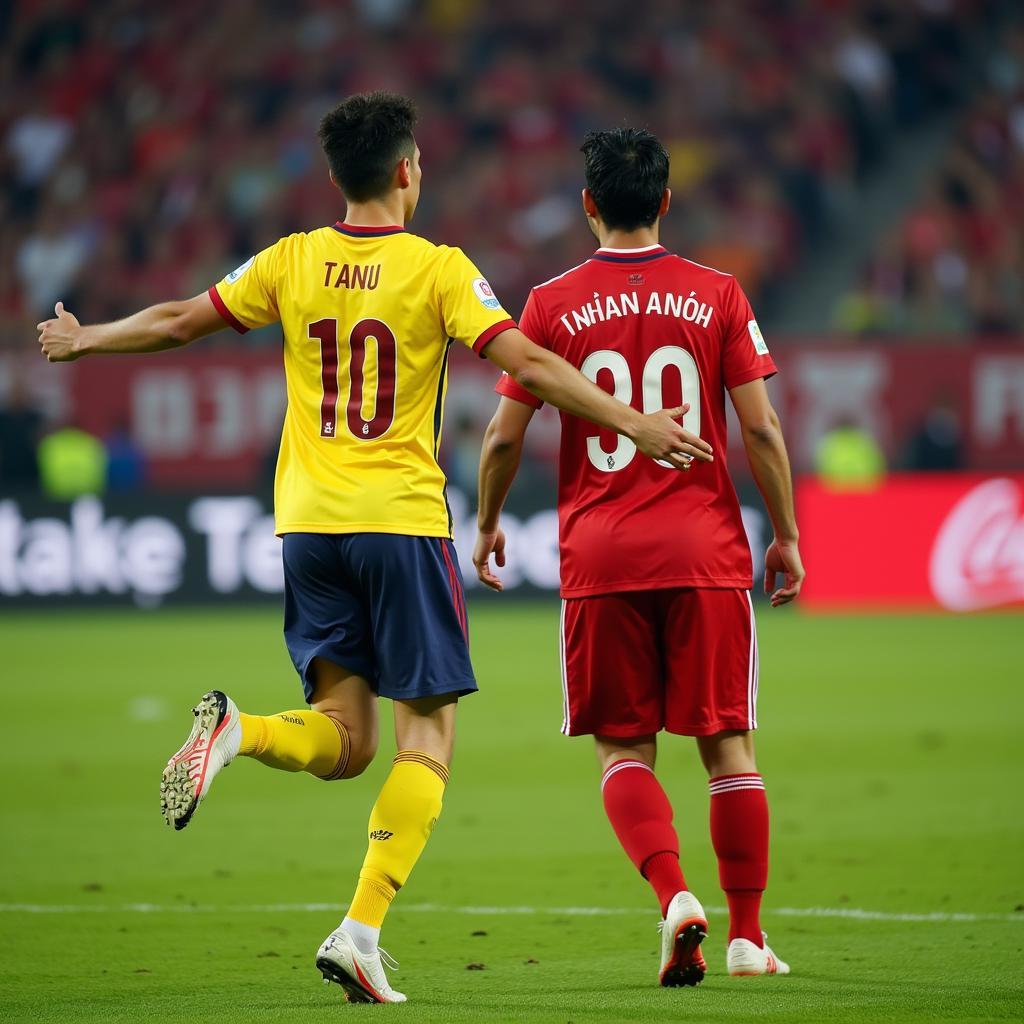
x=490 y=334
x=229 y=318
x=662 y=583
x=747 y=376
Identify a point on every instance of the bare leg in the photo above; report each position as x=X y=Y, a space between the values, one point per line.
x=347 y=699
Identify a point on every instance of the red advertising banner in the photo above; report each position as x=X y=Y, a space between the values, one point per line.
x=952 y=541
x=210 y=416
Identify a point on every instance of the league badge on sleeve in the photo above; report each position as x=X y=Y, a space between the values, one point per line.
x=485 y=293
x=239 y=271
x=760 y=347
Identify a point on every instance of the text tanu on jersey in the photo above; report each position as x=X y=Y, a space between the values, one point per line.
x=607 y=307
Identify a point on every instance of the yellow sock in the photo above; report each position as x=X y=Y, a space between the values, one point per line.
x=400 y=825
x=297 y=741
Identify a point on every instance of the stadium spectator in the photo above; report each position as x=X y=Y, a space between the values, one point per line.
x=20 y=423
x=937 y=444
x=141 y=138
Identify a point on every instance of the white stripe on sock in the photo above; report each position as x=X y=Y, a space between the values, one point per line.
x=619 y=766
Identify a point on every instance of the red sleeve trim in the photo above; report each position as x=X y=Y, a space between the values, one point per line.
x=509 y=387
x=229 y=318
x=491 y=333
x=752 y=374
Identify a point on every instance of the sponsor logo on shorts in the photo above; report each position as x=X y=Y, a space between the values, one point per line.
x=485 y=293
x=381 y=834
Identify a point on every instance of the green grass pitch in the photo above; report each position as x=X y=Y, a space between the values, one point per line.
x=891 y=748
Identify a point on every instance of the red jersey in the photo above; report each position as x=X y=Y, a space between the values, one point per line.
x=654 y=330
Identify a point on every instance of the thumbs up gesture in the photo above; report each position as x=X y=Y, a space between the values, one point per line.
x=57 y=337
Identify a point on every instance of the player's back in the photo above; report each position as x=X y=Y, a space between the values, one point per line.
x=368 y=316
x=655 y=330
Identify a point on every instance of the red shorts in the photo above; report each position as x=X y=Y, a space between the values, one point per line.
x=683 y=660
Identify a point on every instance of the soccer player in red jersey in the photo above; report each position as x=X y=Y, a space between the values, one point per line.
x=657 y=624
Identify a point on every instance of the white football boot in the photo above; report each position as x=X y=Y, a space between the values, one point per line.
x=745 y=960
x=683 y=930
x=361 y=975
x=212 y=745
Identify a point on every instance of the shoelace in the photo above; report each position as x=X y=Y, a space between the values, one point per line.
x=387 y=959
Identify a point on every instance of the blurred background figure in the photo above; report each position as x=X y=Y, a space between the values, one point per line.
x=20 y=424
x=937 y=444
x=72 y=463
x=849 y=458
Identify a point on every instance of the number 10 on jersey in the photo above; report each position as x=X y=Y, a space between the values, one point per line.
x=367 y=416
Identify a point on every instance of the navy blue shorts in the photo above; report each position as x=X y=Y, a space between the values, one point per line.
x=389 y=607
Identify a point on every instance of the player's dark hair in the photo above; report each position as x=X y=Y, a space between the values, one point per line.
x=363 y=138
x=627 y=172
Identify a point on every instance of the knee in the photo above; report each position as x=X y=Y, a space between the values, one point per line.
x=358 y=761
x=728 y=753
x=362 y=746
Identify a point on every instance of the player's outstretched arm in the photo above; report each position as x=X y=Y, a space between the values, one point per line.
x=551 y=378
x=160 y=327
x=499 y=463
x=766 y=452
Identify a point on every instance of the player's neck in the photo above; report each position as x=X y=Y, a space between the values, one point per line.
x=377 y=213
x=641 y=238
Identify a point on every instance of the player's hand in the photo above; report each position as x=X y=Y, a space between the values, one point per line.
x=57 y=337
x=783 y=557
x=660 y=437
x=486 y=545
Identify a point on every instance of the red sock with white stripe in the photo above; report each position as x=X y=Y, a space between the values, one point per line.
x=641 y=815
x=739 y=834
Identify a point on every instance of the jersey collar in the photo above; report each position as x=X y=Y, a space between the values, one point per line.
x=642 y=255
x=362 y=231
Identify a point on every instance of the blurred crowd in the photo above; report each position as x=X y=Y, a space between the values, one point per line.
x=147 y=148
x=956 y=262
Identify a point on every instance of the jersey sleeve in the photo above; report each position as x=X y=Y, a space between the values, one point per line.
x=531 y=323
x=247 y=297
x=745 y=355
x=470 y=311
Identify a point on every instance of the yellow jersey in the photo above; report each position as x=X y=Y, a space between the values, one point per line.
x=368 y=316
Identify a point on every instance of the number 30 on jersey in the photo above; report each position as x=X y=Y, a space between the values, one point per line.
x=651 y=387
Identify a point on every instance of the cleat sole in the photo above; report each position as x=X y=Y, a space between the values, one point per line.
x=354 y=992
x=178 y=800
x=684 y=970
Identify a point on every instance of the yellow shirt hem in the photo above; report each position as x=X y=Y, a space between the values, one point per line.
x=341 y=528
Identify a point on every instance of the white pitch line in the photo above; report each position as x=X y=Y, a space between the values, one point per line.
x=847 y=913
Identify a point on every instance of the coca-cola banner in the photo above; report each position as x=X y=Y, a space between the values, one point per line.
x=953 y=541
x=210 y=416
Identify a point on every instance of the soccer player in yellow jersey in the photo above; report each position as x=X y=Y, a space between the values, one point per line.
x=374 y=604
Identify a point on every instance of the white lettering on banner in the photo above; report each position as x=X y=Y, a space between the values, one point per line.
x=977 y=560
x=152 y=556
x=998 y=398
x=837 y=386
x=217 y=413
x=226 y=435
x=164 y=413
x=240 y=544
x=90 y=554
